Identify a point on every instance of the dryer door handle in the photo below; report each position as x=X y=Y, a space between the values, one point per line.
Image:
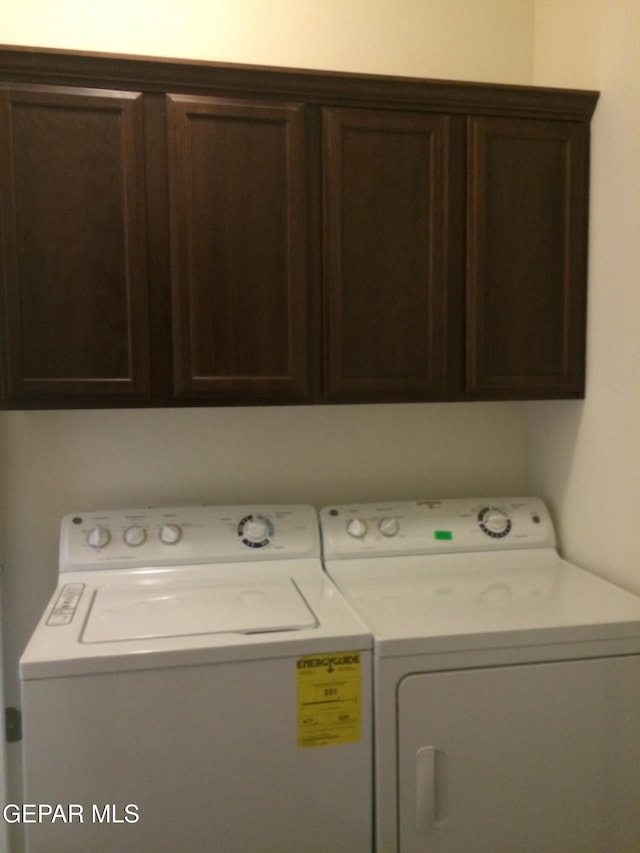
x=431 y=803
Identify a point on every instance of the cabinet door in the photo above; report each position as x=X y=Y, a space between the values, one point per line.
x=74 y=284
x=238 y=242
x=526 y=275
x=541 y=757
x=385 y=250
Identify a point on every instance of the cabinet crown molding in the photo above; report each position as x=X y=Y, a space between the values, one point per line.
x=154 y=74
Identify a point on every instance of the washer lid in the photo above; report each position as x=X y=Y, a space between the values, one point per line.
x=167 y=609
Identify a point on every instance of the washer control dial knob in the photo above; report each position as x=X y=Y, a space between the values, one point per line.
x=134 y=535
x=256 y=531
x=357 y=528
x=170 y=534
x=494 y=522
x=98 y=537
x=388 y=526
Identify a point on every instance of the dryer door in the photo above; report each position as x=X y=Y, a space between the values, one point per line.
x=530 y=758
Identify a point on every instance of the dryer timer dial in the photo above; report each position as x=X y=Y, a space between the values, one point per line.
x=494 y=522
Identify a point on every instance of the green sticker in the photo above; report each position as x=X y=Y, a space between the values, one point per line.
x=443 y=534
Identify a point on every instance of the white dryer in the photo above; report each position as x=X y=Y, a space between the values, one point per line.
x=506 y=680
x=197 y=683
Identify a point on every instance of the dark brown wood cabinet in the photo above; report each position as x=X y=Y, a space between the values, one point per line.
x=74 y=245
x=179 y=233
x=526 y=257
x=238 y=211
x=404 y=317
x=386 y=233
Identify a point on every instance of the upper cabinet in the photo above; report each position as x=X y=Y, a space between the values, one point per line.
x=74 y=277
x=238 y=214
x=195 y=233
x=386 y=231
x=526 y=257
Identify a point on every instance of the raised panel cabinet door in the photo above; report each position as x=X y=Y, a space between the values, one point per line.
x=238 y=242
x=526 y=251
x=385 y=250
x=74 y=281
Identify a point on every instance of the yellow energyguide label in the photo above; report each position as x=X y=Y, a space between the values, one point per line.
x=329 y=703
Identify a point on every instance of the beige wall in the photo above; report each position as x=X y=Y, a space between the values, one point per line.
x=472 y=39
x=53 y=463
x=585 y=457
x=56 y=462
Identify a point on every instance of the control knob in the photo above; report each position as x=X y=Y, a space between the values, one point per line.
x=494 y=522
x=98 y=537
x=357 y=528
x=255 y=530
x=388 y=526
x=170 y=534
x=134 y=535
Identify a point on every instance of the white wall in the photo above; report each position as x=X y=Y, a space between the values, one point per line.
x=585 y=457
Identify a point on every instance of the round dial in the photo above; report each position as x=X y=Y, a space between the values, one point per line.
x=170 y=534
x=388 y=526
x=494 y=522
x=255 y=530
x=98 y=537
x=357 y=528
x=134 y=535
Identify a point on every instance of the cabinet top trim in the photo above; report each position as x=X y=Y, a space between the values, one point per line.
x=151 y=74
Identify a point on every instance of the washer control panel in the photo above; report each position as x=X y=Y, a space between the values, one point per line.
x=435 y=527
x=168 y=536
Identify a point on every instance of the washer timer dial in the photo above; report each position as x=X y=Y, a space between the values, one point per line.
x=255 y=530
x=494 y=522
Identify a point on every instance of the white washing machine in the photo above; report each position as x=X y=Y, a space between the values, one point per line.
x=197 y=683
x=506 y=680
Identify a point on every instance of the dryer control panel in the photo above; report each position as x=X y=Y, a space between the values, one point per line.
x=170 y=536
x=435 y=527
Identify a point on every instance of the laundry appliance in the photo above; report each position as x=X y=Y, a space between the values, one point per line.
x=197 y=683
x=506 y=679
